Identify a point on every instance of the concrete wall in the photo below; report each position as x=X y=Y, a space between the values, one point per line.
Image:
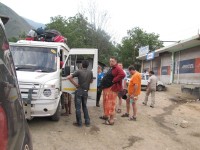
x=187 y=66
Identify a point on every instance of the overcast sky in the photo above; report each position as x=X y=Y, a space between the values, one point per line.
x=173 y=20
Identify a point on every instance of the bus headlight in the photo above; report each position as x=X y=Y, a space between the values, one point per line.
x=47 y=92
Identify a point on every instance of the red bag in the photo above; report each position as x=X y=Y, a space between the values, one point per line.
x=59 y=38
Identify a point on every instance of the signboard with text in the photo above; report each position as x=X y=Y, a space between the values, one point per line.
x=165 y=70
x=150 y=56
x=143 y=50
x=187 y=66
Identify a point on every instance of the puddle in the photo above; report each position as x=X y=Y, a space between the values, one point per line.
x=132 y=140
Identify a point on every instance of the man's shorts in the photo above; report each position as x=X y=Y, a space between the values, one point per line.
x=66 y=98
x=120 y=94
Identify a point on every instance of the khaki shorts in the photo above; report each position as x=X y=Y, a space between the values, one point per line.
x=67 y=97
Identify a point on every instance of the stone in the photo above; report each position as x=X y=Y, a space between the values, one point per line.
x=184 y=124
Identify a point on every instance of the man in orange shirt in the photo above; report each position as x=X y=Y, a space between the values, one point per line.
x=134 y=89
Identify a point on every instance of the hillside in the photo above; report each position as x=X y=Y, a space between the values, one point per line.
x=16 y=24
x=34 y=24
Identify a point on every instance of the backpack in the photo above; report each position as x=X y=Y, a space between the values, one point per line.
x=107 y=80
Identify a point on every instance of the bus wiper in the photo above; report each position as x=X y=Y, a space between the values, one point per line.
x=23 y=67
x=40 y=70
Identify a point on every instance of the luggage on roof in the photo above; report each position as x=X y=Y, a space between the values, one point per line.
x=50 y=35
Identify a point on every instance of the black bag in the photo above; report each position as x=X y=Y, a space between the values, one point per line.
x=107 y=80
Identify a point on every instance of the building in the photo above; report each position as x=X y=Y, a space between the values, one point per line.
x=178 y=63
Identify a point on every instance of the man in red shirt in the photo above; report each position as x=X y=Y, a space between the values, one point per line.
x=111 y=85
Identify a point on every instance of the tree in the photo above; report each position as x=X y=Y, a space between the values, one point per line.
x=98 y=18
x=22 y=36
x=81 y=34
x=137 y=37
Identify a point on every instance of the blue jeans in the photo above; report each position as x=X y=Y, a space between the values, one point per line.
x=81 y=98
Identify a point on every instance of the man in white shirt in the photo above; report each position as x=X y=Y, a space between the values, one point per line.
x=151 y=88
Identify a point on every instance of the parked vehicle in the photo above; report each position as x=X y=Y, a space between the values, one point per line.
x=14 y=131
x=38 y=70
x=144 y=82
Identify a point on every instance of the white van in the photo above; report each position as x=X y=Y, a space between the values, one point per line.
x=39 y=76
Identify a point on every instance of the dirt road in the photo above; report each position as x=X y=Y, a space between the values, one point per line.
x=155 y=129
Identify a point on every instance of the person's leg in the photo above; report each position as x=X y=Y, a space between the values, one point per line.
x=113 y=98
x=120 y=100
x=98 y=97
x=65 y=97
x=104 y=102
x=152 y=98
x=84 y=107
x=127 y=108
x=128 y=105
x=78 y=100
x=134 y=105
x=69 y=103
x=62 y=101
x=146 y=97
x=119 y=105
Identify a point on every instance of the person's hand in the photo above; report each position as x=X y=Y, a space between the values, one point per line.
x=77 y=86
x=132 y=96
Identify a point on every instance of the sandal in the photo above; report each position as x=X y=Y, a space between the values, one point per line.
x=103 y=117
x=107 y=122
x=64 y=114
x=125 y=115
x=132 y=118
x=119 y=110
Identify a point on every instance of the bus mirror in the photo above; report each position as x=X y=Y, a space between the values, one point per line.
x=65 y=71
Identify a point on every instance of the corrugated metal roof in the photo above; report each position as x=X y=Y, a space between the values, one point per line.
x=180 y=45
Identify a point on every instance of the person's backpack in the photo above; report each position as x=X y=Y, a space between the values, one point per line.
x=107 y=80
x=51 y=34
x=59 y=38
x=31 y=36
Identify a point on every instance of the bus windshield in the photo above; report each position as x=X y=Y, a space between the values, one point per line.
x=37 y=59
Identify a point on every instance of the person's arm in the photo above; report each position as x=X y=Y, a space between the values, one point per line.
x=135 y=87
x=91 y=77
x=70 y=78
x=120 y=75
x=148 y=83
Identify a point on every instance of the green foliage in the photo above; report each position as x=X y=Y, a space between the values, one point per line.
x=15 y=39
x=81 y=34
x=129 y=49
